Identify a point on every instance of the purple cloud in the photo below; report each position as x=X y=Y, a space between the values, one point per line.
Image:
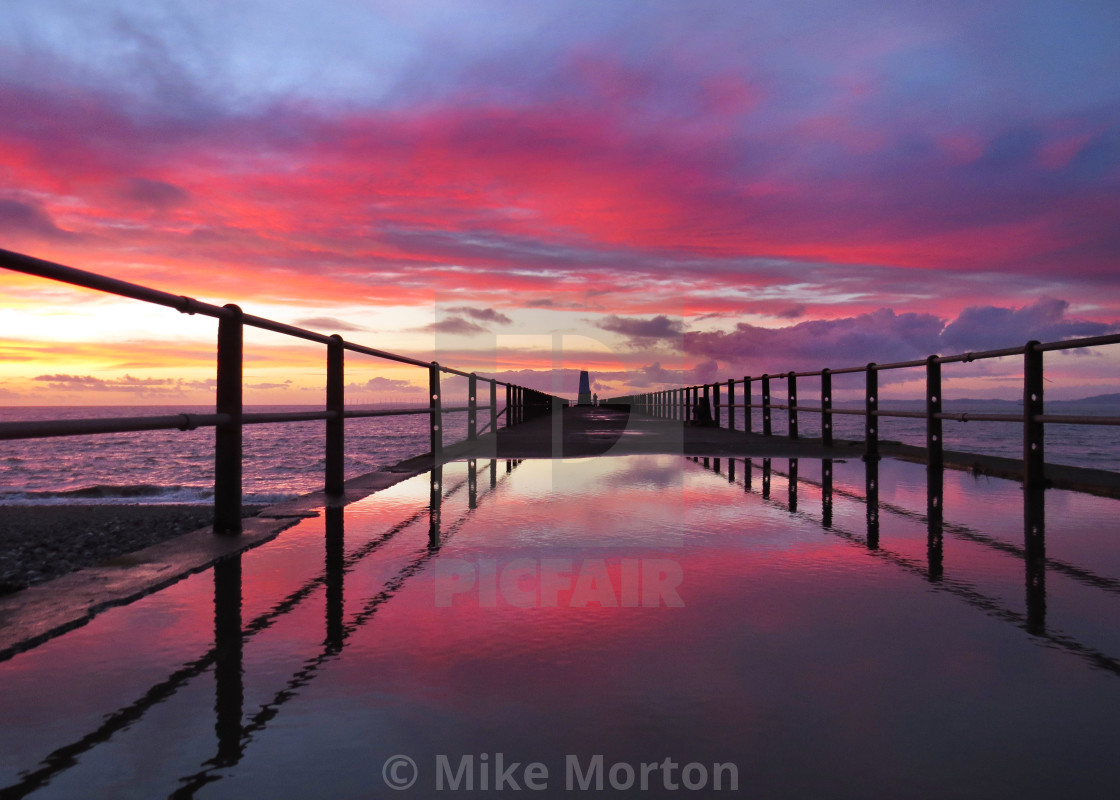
x=328 y=324
x=992 y=327
x=454 y=325
x=884 y=336
x=643 y=331
x=483 y=314
x=156 y=194
x=27 y=219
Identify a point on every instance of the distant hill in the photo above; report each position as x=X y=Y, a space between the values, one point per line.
x=1096 y=400
x=1107 y=402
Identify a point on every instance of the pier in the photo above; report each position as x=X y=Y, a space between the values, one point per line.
x=559 y=540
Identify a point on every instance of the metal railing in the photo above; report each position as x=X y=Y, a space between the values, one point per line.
x=521 y=403
x=688 y=402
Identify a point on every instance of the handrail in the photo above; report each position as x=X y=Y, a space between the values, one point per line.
x=521 y=403
x=688 y=403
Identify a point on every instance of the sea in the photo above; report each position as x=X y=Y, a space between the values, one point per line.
x=283 y=461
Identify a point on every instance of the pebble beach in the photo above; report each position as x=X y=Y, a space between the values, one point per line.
x=38 y=543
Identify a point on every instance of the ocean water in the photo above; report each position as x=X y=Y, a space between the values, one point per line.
x=281 y=460
x=286 y=460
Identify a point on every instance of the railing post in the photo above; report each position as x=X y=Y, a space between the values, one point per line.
x=730 y=404
x=472 y=407
x=1034 y=469
x=871 y=422
x=509 y=406
x=227 y=435
x=766 y=430
x=1034 y=488
x=934 y=443
x=748 y=423
x=826 y=407
x=715 y=404
x=935 y=475
x=493 y=407
x=435 y=412
x=791 y=395
x=336 y=427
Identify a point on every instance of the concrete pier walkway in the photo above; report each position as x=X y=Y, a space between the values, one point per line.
x=600 y=431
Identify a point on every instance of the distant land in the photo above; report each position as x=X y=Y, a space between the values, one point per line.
x=1096 y=402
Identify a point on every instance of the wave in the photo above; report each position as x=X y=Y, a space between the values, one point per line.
x=146 y=494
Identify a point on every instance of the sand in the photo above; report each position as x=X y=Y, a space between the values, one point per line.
x=38 y=543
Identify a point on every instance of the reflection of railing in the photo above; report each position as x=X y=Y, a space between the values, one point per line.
x=233 y=732
x=691 y=403
x=1033 y=620
x=521 y=403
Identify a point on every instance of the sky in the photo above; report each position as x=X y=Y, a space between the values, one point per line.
x=659 y=192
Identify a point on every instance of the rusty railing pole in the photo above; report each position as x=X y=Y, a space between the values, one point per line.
x=435 y=412
x=716 y=415
x=493 y=407
x=509 y=406
x=747 y=421
x=791 y=396
x=336 y=426
x=472 y=407
x=935 y=475
x=1034 y=488
x=826 y=407
x=1034 y=469
x=227 y=435
x=934 y=444
x=730 y=404
x=766 y=429
x=871 y=423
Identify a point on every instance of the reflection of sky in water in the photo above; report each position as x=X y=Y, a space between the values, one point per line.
x=817 y=665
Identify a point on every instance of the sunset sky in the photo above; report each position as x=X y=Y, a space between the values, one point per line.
x=657 y=192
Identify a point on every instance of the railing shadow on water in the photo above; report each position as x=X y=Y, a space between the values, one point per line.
x=234 y=730
x=229 y=417
x=1032 y=619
